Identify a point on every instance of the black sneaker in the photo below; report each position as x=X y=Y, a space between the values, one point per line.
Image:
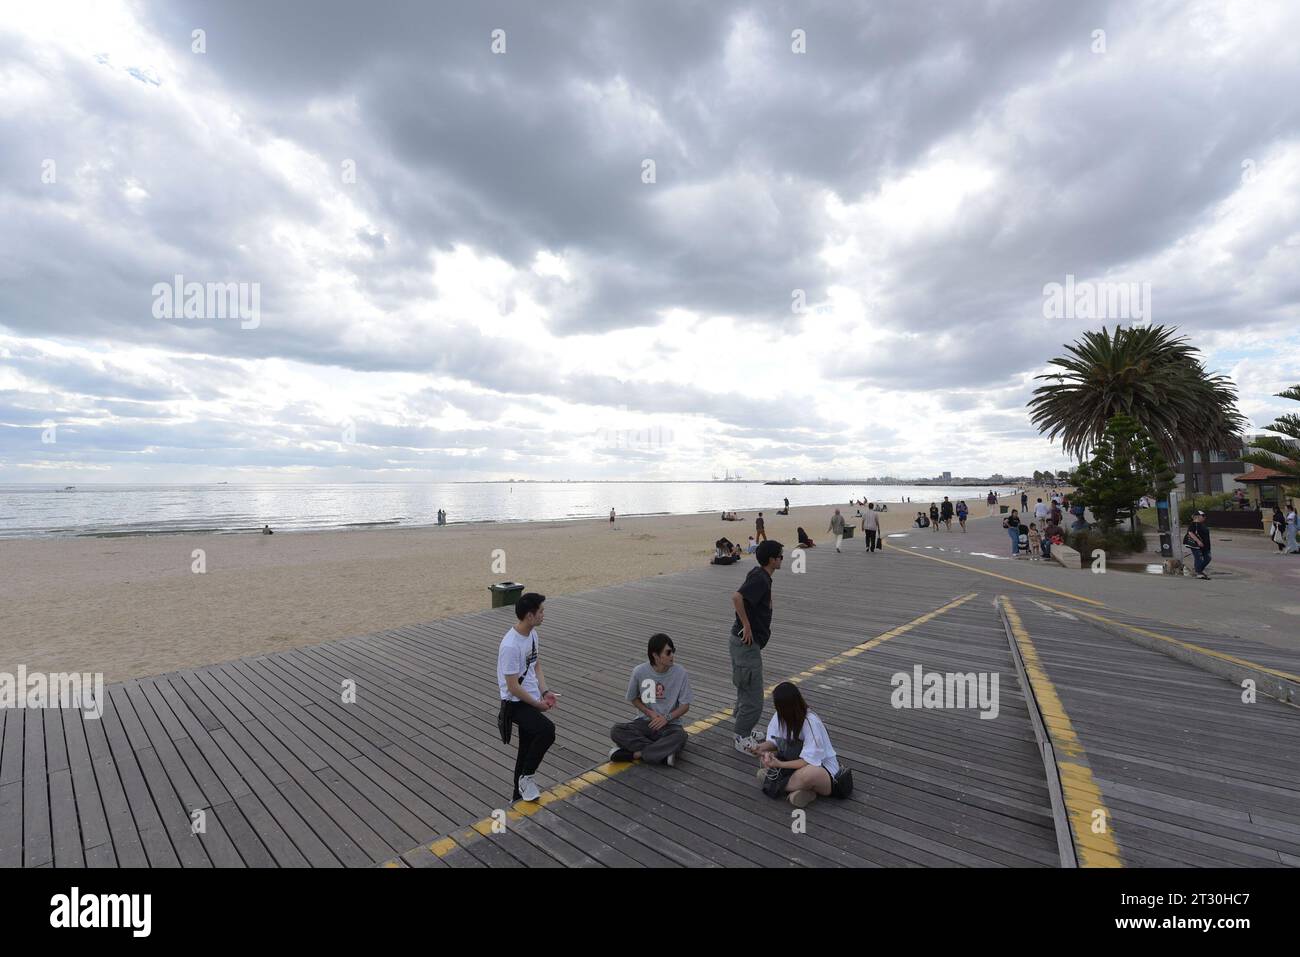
x=620 y=754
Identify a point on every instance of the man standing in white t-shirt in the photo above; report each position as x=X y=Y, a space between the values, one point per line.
x=1041 y=510
x=523 y=689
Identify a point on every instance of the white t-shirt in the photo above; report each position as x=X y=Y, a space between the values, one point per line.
x=518 y=656
x=1041 y=510
x=816 y=742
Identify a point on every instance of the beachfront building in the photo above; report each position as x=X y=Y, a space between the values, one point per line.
x=1263 y=488
x=1223 y=466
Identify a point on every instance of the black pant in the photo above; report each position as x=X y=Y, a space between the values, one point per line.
x=870 y=535
x=536 y=735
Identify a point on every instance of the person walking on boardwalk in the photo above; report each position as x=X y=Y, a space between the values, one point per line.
x=871 y=528
x=750 y=633
x=837 y=528
x=962 y=510
x=1024 y=502
x=945 y=513
x=1198 y=540
x=524 y=695
x=760 y=532
x=661 y=691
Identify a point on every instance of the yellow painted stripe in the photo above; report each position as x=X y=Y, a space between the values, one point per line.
x=602 y=772
x=1005 y=578
x=1082 y=796
x=1199 y=649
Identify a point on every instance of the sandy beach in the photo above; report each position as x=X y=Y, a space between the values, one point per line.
x=131 y=607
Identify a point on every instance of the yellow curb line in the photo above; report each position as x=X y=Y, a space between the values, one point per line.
x=1005 y=578
x=1186 y=645
x=599 y=774
x=1082 y=795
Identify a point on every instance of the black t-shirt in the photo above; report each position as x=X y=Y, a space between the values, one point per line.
x=1201 y=532
x=946 y=509
x=934 y=512
x=757 y=593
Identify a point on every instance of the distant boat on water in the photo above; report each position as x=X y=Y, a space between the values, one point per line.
x=68 y=488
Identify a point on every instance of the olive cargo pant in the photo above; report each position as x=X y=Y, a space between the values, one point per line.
x=747 y=676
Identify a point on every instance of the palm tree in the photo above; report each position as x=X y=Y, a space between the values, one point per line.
x=1274 y=452
x=1146 y=372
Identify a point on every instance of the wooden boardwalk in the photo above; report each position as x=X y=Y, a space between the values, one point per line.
x=285 y=773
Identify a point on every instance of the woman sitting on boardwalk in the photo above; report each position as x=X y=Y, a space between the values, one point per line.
x=804 y=540
x=801 y=762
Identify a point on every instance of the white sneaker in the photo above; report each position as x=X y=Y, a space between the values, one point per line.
x=747 y=744
x=528 y=788
x=671 y=760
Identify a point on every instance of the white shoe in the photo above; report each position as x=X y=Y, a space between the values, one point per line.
x=528 y=788
x=747 y=744
x=671 y=760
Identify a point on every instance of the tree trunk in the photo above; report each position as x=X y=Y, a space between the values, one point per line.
x=1205 y=471
x=1189 y=469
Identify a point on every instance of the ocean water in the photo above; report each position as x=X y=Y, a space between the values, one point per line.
x=30 y=511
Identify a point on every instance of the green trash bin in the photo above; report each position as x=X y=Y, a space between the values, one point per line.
x=505 y=593
x=1003 y=509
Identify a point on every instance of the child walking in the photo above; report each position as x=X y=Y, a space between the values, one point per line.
x=1035 y=543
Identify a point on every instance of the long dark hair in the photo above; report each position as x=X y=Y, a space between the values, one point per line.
x=790 y=708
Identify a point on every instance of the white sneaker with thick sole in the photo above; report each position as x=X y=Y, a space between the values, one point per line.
x=528 y=788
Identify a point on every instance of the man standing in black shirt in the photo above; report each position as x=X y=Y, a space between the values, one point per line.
x=1198 y=540
x=749 y=635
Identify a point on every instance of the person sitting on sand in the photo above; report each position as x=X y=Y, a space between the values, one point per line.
x=921 y=521
x=266 y=530
x=725 y=553
x=804 y=540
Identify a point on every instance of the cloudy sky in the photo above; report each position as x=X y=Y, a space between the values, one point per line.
x=618 y=240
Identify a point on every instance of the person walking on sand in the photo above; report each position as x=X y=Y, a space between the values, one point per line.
x=787 y=504
x=750 y=633
x=934 y=517
x=945 y=513
x=871 y=528
x=611 y=518
x=524 y=695
x=760 y=532
x=962 y=511
x=661 y=691
x=837 y=528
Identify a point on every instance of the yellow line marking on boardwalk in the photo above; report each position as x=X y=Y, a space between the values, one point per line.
x=601 y=773
x=1005 y=578
x=1199 y=649
x=1082 y=796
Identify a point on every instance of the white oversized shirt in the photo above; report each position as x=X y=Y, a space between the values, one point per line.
x=816 y=742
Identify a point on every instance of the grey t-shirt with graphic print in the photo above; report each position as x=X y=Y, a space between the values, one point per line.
x=671 y=689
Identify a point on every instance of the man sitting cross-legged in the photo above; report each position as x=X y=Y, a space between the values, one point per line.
x=661 y=691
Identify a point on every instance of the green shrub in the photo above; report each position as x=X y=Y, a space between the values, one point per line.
x=1115 y=543
x=1205 y=503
